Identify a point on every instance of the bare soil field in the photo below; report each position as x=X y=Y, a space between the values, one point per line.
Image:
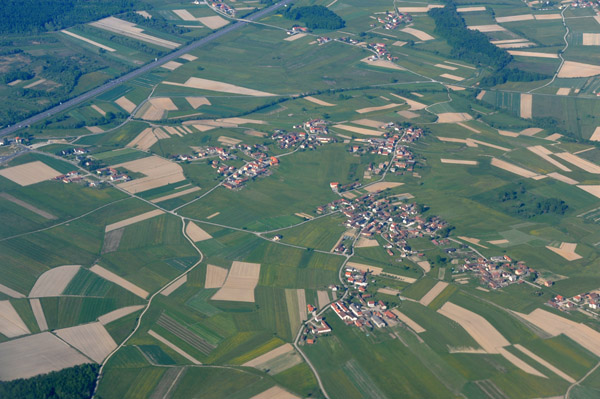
x=11 y=324
x=383 y=64
x=566 y=250
x=37 y=82
x=407 y=114
x=213 y=215
x=474 y=241
x=512 y=168
x=359 y=130
x=124 y=103
x=36 y=354
x=425 y=265
x=195 y=233
x=414 y=105
x=228 y=140
x=516 y=45
x=176 y=195
x=29 y=173
x=592 y=189
x=144 y=140
x=185 y=15
x=453 y=117
x=433 y=293
x=189 y=57
x=458 y=161
x=487 y=28
x=413 y=325
x=277 y=360
x=240 y=283
x=10 y=292
x=596 y=135
x=470 y=9
x=372 y=109
x=275 y=393
x=481 y=94
x=526 y=105
x=132 y=220
x=543 y=17
x=171 y=65
x=196 y=102
x=94 y=129
x=544 y=153
x=579 y=162
x=419 y=34
x=323 y=298
x=368 y=123
x=158 y=171
x=366 y=268
x=514 y=18
x=373 y=188
x=444 y=66
x=28 y=206
x=117 y=314
x=213 y=85
x=295 y=37
x=157 y=108
x=419 y=9
x=54 y=281
x=553 y=137
x=319 y=102
x=38 y=313
x=173 y=347
x=591 y=39
x=174 y=286
x=498 y=242
x=91 y=339
x=129 y=29
x=389 y=291
x=85 y=39
x=563 y=91
x=533 y=54
x=282 y=350
x=98 y=109
x=215 y=276
x=112 y=239
x=214 y=22
x=120 y=281
x=366 y=243
x=452 y=77
x=572 y=69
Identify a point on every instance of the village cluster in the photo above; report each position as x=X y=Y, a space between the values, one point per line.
x=588 y=302
x=499 y=271
x=381 y=52
x=220 y=6
x=392 y=19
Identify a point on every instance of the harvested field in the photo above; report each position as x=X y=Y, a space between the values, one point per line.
x=531 y=131
x=54 y=281
x=359 y=130
x=383 y=64
x=455 y=88
x=129 y=29
x=112 y=239
x=37 y=82
x=11 y=324
x=433 y=293
x=375 y=187
x=120 y=281
x=487 y=28
x=185 y=334
x=366 y=243
x=91 y=339
x=414 y=105
x=348 y=195
x=545 y=363
x=579 y=162
x=389 y=291
x=98 y=109
x=158 y=171
x=294 y=37
x=498 y=242
x=533 y=54
x=444 y=66
x=144 y=140
x=302 y=309
x=195 y=233
x=185 y=15
x=228 y=141
x=419 y=9
x=366 y=268
x=508 y=133
x=512 y=168
x=372 y=109
x=526 y=105
x=94 y=129
x=553 y=137
x=413 y=325
x=591 y=39
x=38 y=313
x=516 y=45
x=213 y=85
x=176 y=195
x=544 y=153
x=514 y=18
x=85 y=39
x=156 y=108
x=213 y=215
x=596 y=135
x=323 y=298
x=215 y=276
x=468 y=127
x=407 y=114
x=277 y=360
x=474 y=241
x=458 y=161
x=275 y=393
x=452 y=77
x=124 y=103
x=173 y=347
x=171 y=65
x=15 y=82
x=368 y=123
x=470 y=9
x=196 y=102
x=424 y=265
x=29 y=173
x=36 y=354
x=10 y=292
x=178 y=283
x=563 y=91
x=480 y=95
x=566 y=250
x=304 y=215
x=419 y=34
x=214 y=22
x=188 y=57
x=132 y=220
x=453 y=117
x=240 y=283
x=542 y=17
x=27 y=206
x=117 y=314
x=571 y=69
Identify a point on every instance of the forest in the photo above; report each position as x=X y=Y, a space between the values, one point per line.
x=315 y=17
x=518 y=201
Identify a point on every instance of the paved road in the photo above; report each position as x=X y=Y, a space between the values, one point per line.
x=133 y=74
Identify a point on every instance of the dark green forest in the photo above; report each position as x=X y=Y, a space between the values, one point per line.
x=518 y=201
x=315 y=17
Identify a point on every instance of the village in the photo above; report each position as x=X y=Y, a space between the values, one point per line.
x=392 y=20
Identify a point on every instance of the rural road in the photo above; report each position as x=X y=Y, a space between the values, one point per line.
x=143 y=69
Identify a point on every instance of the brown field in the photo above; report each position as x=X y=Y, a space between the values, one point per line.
x=453 y=117
x=413 y=325
x=474 y=241
x=275 y=393
x=508 y=133
x=37 y=82
x=171 y=65
x=36 y=354
x=11 y=324
x=323 y=298
x=277 y=360
x=592 y=189
x=294 y=37
x=596 y=135
x=534 y=55
x=433 y=293
x=176 y=195
x=240 y=283
x=196 y=102
x=581 y=163
x=383 y=64
x=591 y=39
x=174 y=286
x=389 y=291
x=553 y=137
x=38 y=313
x=544 y=363
x=452 y=77
x=366 y=243
x=498 y=242
x=481 y=94
x=414 y=105
x=487 y=28
x=129 y=29
x=117 y=314
x=29 y=173
x=359 y=130
x=516 y=45
x=458 y=161
x=419 y=9
x=189 y=57
x=215 y=276
x=512 y=168
x=173 y=347
x=85 y=39
x=156 y=108
x=526 y=108
x=15 y=82
x=94 y=129
x=213 y=85
x=547 y=16
x=373 y=188
x=54 y=281
x=366 y=268
x=92 y=339
x=319 y=102
x=407 y=114
x=185 y=15
x=572 y=69
x=228 y=140
x=27 y=206
x=144 y=140
x=419 y=34
x=98 y=109
x=132 y=220
x=470 y=9
x=10 y=292
x=124 y=103
x=213 y=215
x=423 y=264
x=563 y=91
x=158 y=171
x=514 y=18
x=118 y=280
x=566 y=250
x=444 y=66
x=372 y=109
x=468 y=127
x=214 y=22
x=544 y=153
x=195 y=233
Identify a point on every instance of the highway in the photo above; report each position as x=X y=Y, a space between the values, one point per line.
x=143 y=69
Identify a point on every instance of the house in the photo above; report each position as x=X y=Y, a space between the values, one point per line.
x=379 y=323
x=310 y=308
x=334 y=186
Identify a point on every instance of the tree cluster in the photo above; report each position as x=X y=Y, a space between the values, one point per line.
x=519 y=202
x=156 y=22
x=512 y=75
x=315 y=17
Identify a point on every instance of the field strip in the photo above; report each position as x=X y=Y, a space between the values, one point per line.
x=453 y=63
x=323 y=298
x=228 y=141
x=516 y=45
x=487 y=28
x=526 y=105
x=474 y=241
x=85 y=39
x=388 y=291
x=470 y=9
x=196 y=102
x=175 y=195
x=380 y=186
x=185 y=334
x=291 y=301
x=54 y=281
x=512 y=168
x=414 y=105
x=10 y=292
x=11 y=324
x=368 y=122
x=281 y=350
x=171 y=288
x=419 y=34
x=146 y=139
x=572 y=69
x=592 y=189
x=38 y=313
x=92 y=339
x=566 y=250
x=562 y=178
x=419 y=9
x=133 y=220
x=36 y=354
x=196 y=233
x=27 y=206
x=553 y=137
x=579 y=162
x=302 y=304
x=98 y=109
x=372 y=109
x=498 y=242
x=304 y=215
x=112 y=239
x=240 y=283
x=596 y=135
x=508 y=41
x=38 y=82
x=542 y=17
x=563 y=91
x=213 y=215
x=294 y=37
x=408 y=321
x=214 y=22
x=118 y=313
x=118 y=280
x=129 y=29
x=519 y=363
x=173 y=347
x=383 y=64
x=29 y=173
x=171 y=65
x=185 y=15
x=544 y=363
x=544 y=153
x=433 y=293
x=425 y=265
x=444 y=66
x=167 y=382
x=591 y=39
x=452 y=77
x=514 y=18
x=213 y=85
x=458 y=161
x=365 y=268
x=275 y=392
x=453 y=117
x=480 y=95
x=359 y=130
x=319 y=102
x=366 y=243
x=124 y=103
